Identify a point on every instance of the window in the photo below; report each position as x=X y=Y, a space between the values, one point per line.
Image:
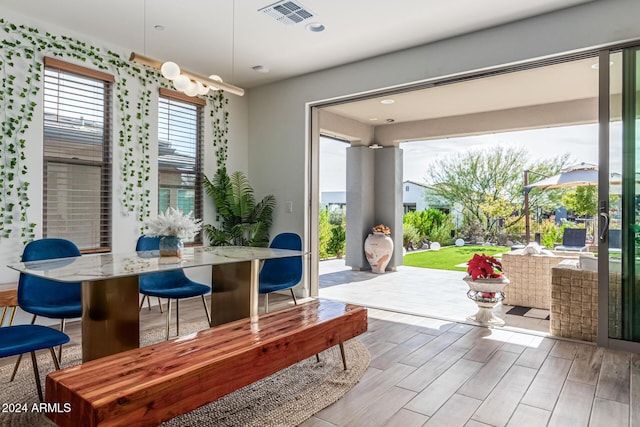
x=77 y=155
x=180 y=153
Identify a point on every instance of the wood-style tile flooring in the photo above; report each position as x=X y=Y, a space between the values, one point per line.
x=433 y=372
x=429 y=372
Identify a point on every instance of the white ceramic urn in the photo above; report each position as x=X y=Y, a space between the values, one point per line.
x=378 y=248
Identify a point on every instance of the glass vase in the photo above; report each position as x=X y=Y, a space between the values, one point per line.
x=171 y=246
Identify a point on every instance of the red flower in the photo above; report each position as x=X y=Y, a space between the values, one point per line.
x=484 y=267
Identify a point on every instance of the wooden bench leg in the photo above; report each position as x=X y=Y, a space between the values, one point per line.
x=342 y=353
x=344 y=357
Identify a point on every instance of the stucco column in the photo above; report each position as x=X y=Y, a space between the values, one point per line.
x=374 y=196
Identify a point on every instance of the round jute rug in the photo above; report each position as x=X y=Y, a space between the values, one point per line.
x=286 y=398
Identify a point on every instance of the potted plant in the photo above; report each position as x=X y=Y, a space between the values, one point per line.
x=378 y=248
x=486 y=282
x=172 y=226
x=243 y=221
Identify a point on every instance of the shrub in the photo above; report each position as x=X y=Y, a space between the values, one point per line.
x=337 y=241
x=410 y=237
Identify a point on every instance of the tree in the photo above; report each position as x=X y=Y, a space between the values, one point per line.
x=489 y=184
x=583 y=201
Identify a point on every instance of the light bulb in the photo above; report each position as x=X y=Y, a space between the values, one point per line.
x=215 y=77
x=202 y=89
x=192 y=89
x=170 y=70
x=181 y=82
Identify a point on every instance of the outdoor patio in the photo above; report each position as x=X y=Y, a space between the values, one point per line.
x=425 y=292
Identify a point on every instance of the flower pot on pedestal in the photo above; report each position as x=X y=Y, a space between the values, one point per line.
x=486 y=293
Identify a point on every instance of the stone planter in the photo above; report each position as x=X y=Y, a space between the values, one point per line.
x=486 y=293
x=378 y=248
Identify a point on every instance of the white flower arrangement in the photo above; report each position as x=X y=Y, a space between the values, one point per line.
x=173 y=223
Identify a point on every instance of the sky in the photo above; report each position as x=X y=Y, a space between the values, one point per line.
x=580 y=141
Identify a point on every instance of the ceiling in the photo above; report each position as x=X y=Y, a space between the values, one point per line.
x=568 y=81
x=229 y=37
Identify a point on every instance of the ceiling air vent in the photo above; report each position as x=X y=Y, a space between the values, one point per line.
x=287 y=12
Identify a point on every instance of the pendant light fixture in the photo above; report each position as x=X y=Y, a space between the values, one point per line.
x=191 y=84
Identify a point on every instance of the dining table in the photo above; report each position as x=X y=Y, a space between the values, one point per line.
x=110 y=290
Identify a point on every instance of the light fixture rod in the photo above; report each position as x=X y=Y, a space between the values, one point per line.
x=154 y=63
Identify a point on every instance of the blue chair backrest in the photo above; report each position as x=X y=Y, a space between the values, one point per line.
x=34 y=292
x=164 y=279
x=574 y=237
x=287 y=271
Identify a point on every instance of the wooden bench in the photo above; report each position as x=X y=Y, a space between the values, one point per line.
x=8 y=300
x=148 y=385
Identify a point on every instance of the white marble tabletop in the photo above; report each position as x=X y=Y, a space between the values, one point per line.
x=94 y=267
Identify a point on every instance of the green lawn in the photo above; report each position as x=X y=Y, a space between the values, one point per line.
x=447 y=258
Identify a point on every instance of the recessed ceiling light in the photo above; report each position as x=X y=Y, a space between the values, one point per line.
x=315 y=27
x=260 y=68
x=373 y=119
x=390 y=120
x=159 y=27
x=387 y=101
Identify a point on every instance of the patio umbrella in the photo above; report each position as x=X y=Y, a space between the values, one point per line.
x=584 y=174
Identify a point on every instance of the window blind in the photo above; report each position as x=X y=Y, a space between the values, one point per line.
x=77 y=155
x=180 y=135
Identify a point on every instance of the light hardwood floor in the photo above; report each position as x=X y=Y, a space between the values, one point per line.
x=432 y=372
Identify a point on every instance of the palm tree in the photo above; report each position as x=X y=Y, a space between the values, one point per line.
x=243 y=222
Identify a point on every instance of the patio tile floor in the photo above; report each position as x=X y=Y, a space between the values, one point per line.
x=438 y=294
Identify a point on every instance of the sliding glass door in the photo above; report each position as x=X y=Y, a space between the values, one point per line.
x=620 y=201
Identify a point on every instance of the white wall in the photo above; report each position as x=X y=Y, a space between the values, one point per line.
x=125 y=228
x=278 y=129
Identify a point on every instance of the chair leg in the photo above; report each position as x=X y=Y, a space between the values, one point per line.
x=149 y=303
x=142 y=302
x=206 y=309
x=19 y=359
x=295 y=302
x=37 y=374
x=55 y=359
x=168 y=315
x=13 y=315
x=177 y=317
x=344 y=357
x=15 y=368
x=60 y=348
x=266 y=303
x=160 y=305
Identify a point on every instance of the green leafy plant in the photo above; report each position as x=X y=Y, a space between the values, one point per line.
x=337 y=241
x=242 y=221
x=324 y=233
x=410 y=237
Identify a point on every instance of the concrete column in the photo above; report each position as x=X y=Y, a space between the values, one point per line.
x=388 y=197
x=360 y=204
x=374 y=196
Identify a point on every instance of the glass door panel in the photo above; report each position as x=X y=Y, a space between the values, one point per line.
x=624 y=197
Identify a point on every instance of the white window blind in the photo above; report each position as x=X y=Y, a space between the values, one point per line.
x=77 y=155
x=180 y=137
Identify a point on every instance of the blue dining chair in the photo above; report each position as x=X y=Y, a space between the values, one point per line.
x=44 y=297
x=279 y=274
x=173 y=284
x=21 y=339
